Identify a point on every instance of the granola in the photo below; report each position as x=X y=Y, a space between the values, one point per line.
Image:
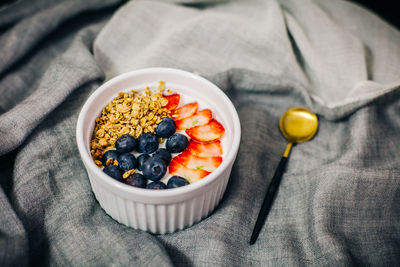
x=128 y=173
x=129 y=113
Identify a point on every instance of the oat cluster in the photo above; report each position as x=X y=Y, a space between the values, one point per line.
x=129 y=113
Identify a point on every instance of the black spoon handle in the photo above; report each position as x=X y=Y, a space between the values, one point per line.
x=268 y=200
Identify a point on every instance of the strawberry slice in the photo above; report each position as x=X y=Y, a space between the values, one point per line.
x=192 y=175
x=173 y=101
x=185 y=111
x=211 y=149
x=199 y=118
x=191 y=161
x=205 y=133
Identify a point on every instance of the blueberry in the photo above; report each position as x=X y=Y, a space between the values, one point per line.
x=177 y=143
x=176 y=181
x=136 y=180
x=147 y=143
x=114 y=171
x=166 y=128
x=141 y=159
x=154 y=168
x=127 y=161
x=157 y=185
x=163 y=154
x=110 y=154
x=126 y=143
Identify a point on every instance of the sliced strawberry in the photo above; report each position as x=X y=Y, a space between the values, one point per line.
x=205 y=133
x=173 y=101
x=185 y=111
x=211 y=149
x=192 y=175
x=191 y=161
x=201 y=117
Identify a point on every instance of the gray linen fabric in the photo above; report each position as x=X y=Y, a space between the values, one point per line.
x=339 y=200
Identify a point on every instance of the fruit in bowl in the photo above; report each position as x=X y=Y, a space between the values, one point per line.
x=183 y=151
x=156 y=119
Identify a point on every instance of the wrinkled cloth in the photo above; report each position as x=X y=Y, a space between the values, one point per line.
x=339 y=200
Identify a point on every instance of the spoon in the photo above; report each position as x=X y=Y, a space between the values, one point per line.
x=297 y=125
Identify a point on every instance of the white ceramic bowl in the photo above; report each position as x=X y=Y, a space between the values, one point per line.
x=160 y=211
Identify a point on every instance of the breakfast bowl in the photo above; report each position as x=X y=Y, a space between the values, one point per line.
x=168 y=210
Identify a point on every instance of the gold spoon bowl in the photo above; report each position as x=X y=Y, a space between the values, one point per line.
x=298 y=125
